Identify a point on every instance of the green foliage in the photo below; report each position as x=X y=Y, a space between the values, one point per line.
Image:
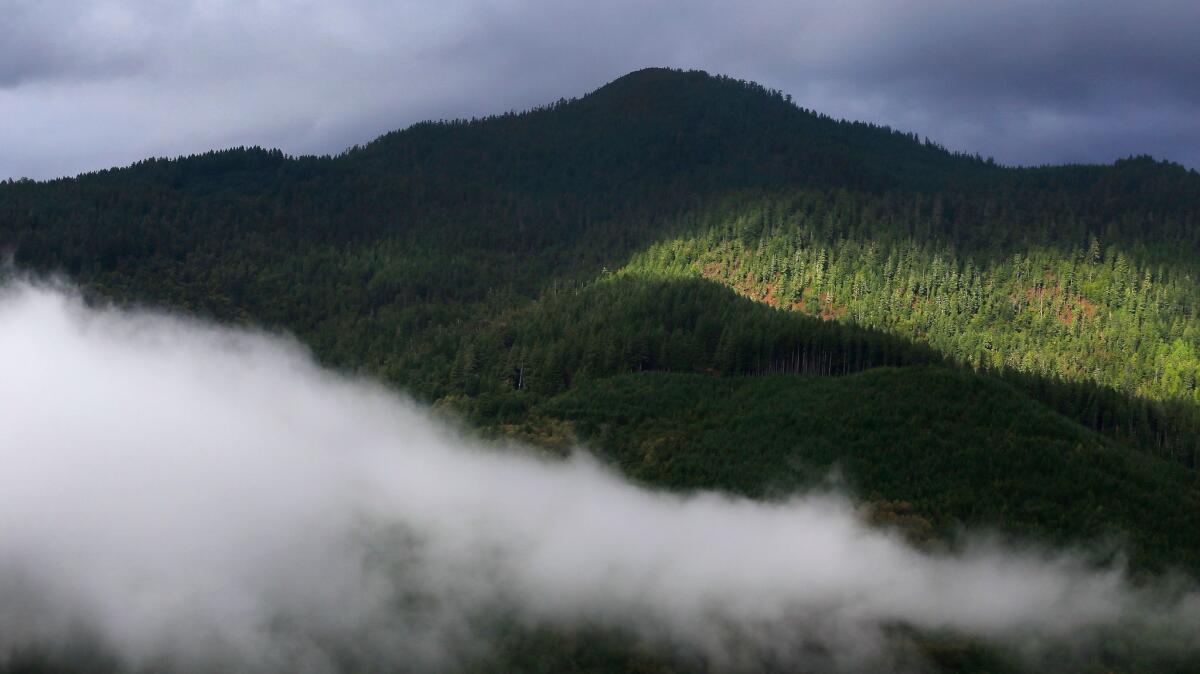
x=962 y=450
x=632 y=323
x=1123 y=322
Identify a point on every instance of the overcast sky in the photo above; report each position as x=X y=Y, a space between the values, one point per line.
x=90 y=84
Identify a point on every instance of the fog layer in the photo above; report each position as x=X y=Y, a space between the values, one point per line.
x=183 y=495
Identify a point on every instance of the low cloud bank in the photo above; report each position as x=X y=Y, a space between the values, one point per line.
x=186 y=496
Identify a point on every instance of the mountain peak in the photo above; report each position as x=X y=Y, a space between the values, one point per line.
x=678 y=86
x=657 y=75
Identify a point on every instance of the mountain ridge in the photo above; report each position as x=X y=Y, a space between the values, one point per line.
x=710 y=286
x=656 y=84
x=656 y=157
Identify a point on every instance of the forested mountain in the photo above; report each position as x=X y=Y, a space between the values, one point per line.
x=703 y=246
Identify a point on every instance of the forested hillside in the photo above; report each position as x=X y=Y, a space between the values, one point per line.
x=1052 y=303
x=704 y=248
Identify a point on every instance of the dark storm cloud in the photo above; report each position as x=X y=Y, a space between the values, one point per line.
x=1032 y=81
x=40 y=43
x=85 y=85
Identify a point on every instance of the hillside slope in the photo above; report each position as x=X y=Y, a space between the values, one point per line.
x=1078 y=283
x=936 y=451
x=677 y=265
